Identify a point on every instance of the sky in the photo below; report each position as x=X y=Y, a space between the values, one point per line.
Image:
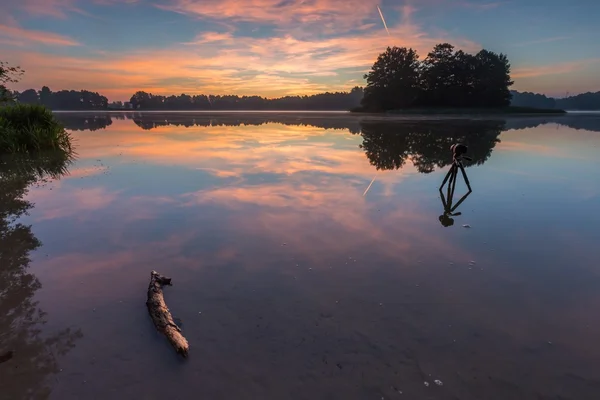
x=274 y=48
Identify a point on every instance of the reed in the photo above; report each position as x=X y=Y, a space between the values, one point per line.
x=27 y=128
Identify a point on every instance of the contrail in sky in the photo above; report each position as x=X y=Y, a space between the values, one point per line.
x=370 y=184
x=383 y=20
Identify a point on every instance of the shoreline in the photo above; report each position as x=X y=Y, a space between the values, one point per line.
x=505 y=111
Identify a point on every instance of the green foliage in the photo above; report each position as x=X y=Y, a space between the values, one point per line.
x=31 y=128
x=445 y=78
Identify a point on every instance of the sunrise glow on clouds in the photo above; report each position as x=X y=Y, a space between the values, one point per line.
x=280 y=47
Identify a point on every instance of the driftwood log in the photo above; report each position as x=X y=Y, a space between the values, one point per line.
x=161 y=316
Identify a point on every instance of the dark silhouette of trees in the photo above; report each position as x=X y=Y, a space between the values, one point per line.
x=64 y=99
x=528 y=99
x=323 y=101
x=445 y=78
x=584 y=101
x=388 y=145
x=393 y=82
x=24 y=376
x=84 y=121
x=148 y=121
x=492 y=80
x=8 y=74
x=29 y=96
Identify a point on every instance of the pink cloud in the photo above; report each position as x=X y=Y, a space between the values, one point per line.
x=277 y=65
x=340 y=14
x=20 y=35
x=52 y=8
x=69 y=203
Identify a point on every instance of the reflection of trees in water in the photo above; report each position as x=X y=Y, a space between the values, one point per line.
x=388 y=145
x=151 y=121
x=84 y=122
x=148 y=121
x=578 y=122
x=35 y=355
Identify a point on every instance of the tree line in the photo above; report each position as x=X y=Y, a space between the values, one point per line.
x=322 y=101
x=583 y=101
x=63 y=99
x=399 y=79
x=86 y=100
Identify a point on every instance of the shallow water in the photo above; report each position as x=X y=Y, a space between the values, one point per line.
x=310 y=257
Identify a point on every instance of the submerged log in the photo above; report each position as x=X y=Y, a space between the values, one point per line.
x=161 y=316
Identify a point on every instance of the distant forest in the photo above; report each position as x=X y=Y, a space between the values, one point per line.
x=75 y=100
x=342 y=101
x=86 y=100
x=583 y=102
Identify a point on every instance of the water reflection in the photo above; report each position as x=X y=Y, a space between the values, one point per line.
x=291 y=281
x=427 y=143
x=458 y=155
x=34 y=353
x=352 y=123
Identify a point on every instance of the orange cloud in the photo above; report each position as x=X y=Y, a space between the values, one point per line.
x=20 y=35
x=54 y=8
x=223 y=64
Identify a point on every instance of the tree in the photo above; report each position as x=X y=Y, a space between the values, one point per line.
x=8 y=75
x=45 y=96
x=445 y=78
x=492 y=79
x=30 y=96
x=438 y=76
x=394 y=80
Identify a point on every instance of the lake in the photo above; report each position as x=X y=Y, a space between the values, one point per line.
x=313 y=256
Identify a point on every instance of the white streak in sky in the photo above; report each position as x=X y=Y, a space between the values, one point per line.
x=383 y=20
x=370 y=184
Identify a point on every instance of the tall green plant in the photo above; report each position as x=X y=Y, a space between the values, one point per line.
x=28 y=128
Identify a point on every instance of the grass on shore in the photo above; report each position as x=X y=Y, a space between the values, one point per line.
x=26 y=128
x=456 y=111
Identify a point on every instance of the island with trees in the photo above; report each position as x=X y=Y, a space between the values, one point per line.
x=446 y=81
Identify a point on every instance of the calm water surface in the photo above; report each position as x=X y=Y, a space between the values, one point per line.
x=311 y=259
